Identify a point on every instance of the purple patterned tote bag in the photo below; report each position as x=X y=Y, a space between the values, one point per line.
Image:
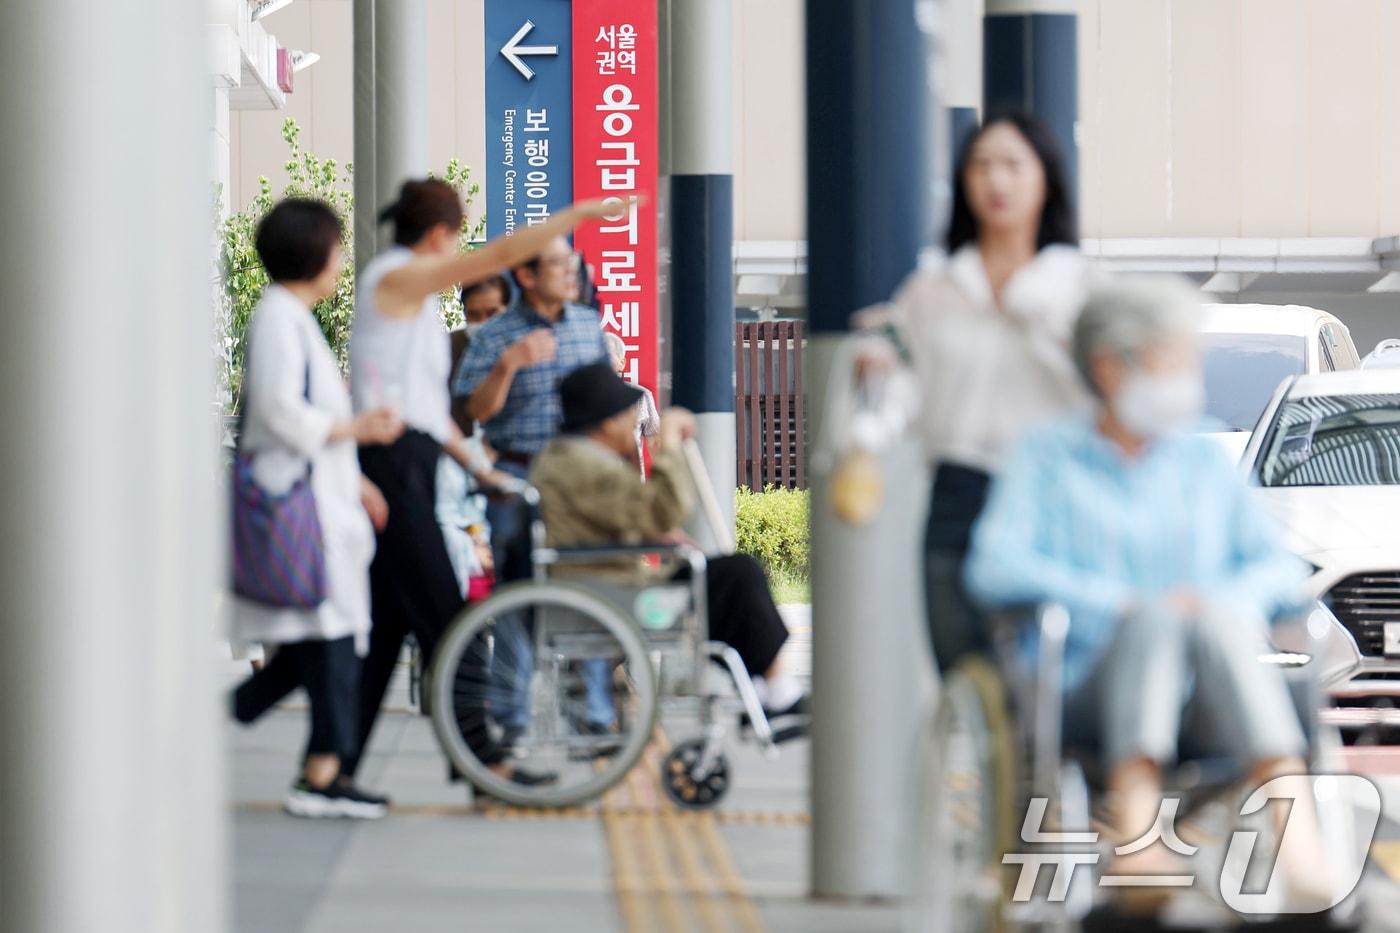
x=279 y=556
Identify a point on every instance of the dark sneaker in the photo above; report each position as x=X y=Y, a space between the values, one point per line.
x=356 y=804
x=521 y=776
x=791 y=722
x=510 y=738
x=605 y=743
x=311 y=803
x=527 y=778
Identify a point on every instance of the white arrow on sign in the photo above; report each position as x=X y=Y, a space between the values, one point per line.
x=513 y=51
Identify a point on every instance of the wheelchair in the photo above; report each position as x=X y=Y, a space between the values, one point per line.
x=564 y=676
x=994 y=749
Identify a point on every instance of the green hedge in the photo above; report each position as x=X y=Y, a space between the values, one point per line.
x=773 y=527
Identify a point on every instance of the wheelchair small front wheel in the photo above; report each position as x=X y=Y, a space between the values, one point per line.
x=690 y=781
x=543 y=695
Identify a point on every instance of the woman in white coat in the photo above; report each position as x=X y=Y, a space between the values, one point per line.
x=987 y=333
x=297 y=414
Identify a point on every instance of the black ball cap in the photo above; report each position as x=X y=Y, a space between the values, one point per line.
x=592 y=394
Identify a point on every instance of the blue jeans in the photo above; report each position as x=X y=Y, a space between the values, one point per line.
x=514 y=660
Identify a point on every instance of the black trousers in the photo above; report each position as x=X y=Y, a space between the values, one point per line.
x=412 y=585
x=330 y=672
x=742 y=612
x=954 y=622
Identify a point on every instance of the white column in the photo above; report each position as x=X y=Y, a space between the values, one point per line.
x=962 y=42
x=700 y=104
x=111 y=805
x=219 y=154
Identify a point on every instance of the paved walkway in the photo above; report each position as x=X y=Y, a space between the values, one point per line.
x=632 y=863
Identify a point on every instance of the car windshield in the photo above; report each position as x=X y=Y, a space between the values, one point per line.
x=1243 y=370
x=1334 y=440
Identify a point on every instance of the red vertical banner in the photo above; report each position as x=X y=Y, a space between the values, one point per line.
x=615 y=155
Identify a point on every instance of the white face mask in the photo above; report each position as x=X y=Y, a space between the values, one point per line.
x=1152 y=405
x=472 y=328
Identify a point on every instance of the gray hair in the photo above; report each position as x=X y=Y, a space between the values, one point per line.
x=617 y=348
x=1128 y=314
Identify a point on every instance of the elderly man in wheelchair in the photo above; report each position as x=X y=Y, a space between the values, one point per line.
x=1157 y=578
x=622 y=609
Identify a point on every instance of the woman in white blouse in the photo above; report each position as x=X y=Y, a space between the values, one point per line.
x=297 y=414
x=987 y=333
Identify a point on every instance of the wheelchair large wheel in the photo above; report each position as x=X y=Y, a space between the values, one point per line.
x=549 y=683
x=967 y=797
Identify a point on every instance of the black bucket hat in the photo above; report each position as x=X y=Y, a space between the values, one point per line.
x=592 y=394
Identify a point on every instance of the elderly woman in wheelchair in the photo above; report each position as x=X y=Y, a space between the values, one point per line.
x=1169 y=573
x=622 y=608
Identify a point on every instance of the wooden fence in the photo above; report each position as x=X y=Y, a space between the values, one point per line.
x=770 y=404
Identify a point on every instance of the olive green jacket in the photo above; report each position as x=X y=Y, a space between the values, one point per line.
x=590 y=495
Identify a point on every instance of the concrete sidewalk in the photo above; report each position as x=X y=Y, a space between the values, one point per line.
x=633 y=863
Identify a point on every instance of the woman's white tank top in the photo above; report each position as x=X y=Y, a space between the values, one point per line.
x=403 y=362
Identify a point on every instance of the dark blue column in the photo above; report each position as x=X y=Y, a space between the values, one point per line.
x=1030 y=63
x=870 y=164
x=962 y=123
x=868 y=186
x=702 y=292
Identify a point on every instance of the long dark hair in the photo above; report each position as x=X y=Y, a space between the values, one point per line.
x=422 y=205
x=1057 y=217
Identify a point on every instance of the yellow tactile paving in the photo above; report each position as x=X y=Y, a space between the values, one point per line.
x=494 y=811
x=673 y=871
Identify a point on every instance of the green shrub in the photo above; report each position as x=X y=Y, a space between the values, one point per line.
x=773 y=527
x=243 y=277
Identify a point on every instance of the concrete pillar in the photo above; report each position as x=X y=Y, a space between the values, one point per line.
x=111 y=798
x=869 y=196
x=391 y=110
x=701 y=222
x=1030 y=56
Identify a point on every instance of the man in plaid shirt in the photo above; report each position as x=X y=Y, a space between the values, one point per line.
x=509 y=379
x=509 y=382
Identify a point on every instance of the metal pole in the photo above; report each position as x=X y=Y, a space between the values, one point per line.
x=400 y=98
x=701 y=218
x=111 y=797
x=868 y=209
x=366 y=180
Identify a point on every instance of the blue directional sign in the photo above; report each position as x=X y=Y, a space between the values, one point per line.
x=529 y=119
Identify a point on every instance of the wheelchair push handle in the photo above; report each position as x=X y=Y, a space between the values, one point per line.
x=709 y=501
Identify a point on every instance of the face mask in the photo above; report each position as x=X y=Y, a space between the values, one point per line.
x=473 y=328
x=1153 y=406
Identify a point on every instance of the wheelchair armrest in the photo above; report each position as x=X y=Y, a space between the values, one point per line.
x=604 y=553
x=510 y=486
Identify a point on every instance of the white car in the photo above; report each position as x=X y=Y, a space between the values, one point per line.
x=1326 y=460
x=1247 y=350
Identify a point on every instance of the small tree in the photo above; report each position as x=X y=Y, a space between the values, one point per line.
x=244 y=279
